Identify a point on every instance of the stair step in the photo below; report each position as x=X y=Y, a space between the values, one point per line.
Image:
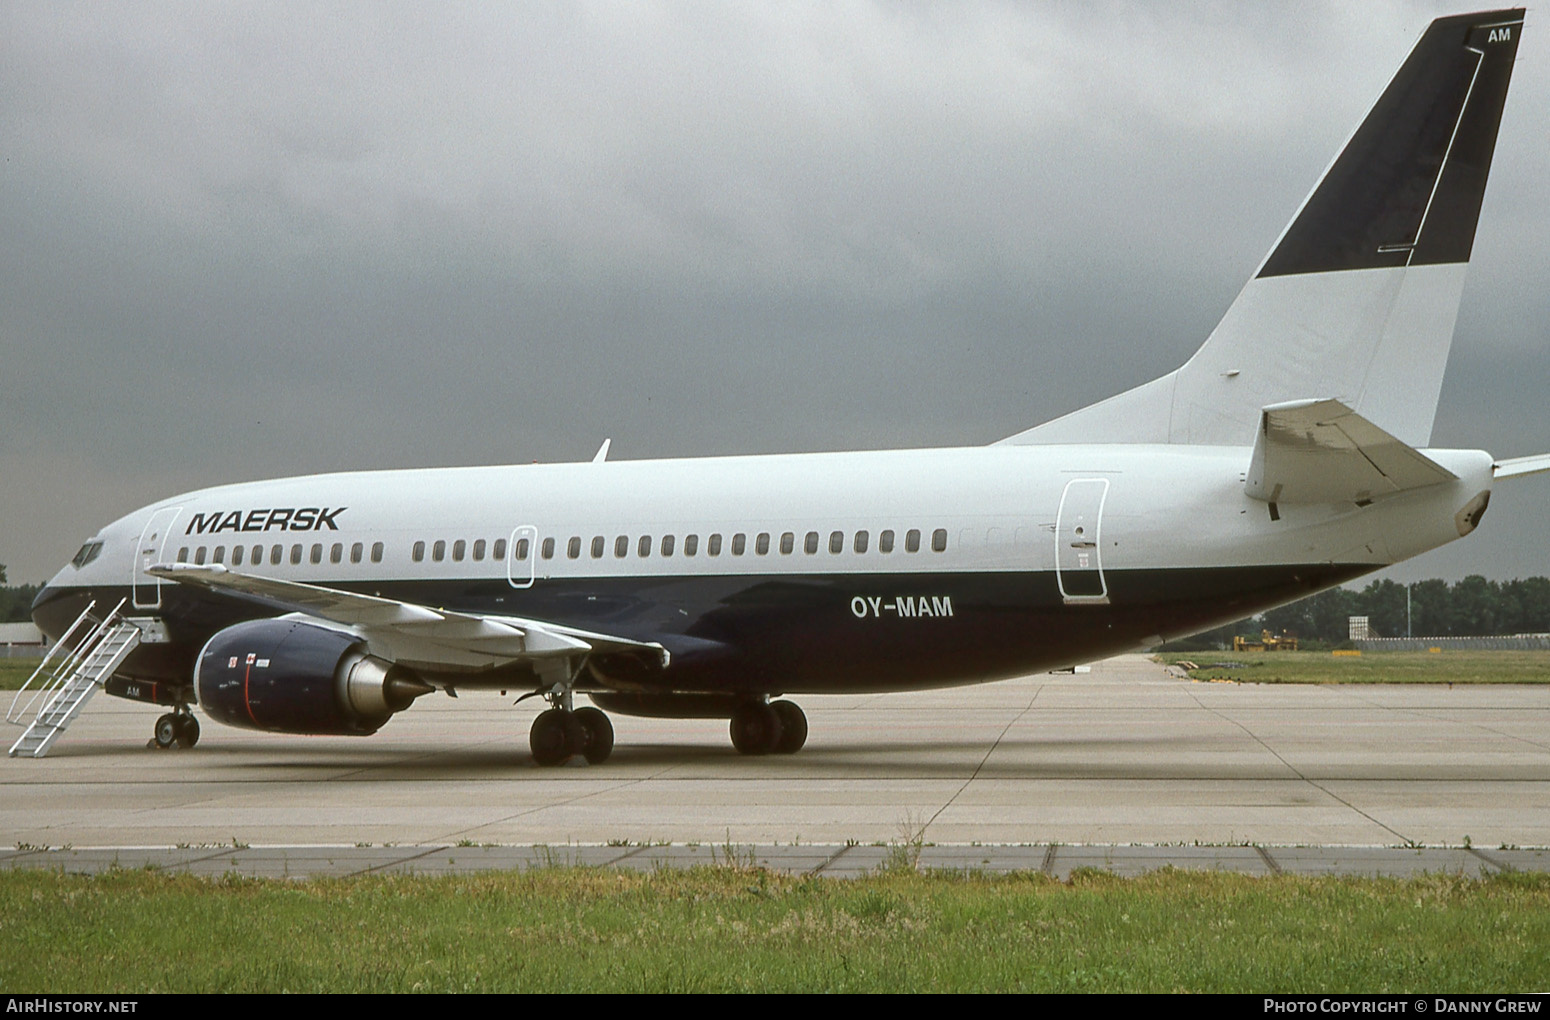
x=106 y=647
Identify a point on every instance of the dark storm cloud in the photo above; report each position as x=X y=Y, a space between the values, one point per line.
x=254 y=240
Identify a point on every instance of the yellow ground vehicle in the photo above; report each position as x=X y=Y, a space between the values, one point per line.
x=1268 y=642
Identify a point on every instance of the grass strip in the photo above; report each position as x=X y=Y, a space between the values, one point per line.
x=14 y=672
x=736 y=929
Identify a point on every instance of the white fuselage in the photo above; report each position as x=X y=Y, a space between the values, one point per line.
x=1096 y=545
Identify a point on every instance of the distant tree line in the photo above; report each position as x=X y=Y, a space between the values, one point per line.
x=15 y=603
x=1472 y=607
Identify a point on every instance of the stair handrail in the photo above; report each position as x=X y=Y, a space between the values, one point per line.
x=67 y=666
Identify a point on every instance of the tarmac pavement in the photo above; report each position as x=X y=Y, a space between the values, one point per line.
x=1128 y=767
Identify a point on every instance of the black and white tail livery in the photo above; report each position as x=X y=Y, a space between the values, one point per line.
x=1357 y=300
x=1290 y=453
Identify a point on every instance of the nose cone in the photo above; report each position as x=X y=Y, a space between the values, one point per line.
x=55 y=608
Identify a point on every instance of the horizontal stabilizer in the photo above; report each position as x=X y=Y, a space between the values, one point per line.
x=1321 y=451
x=1517 y=467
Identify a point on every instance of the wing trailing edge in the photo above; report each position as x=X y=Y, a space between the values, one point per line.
x=417 y=629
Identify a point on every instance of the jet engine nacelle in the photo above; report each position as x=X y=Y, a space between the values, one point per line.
x=289 y=676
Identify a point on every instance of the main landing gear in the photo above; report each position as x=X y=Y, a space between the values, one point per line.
x=560 y=733
x=176 y=729
x=769 y=727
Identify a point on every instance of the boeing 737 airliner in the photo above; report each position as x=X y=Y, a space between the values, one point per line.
x=1289 y=454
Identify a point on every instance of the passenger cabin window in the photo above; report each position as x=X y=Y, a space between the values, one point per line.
x=621 y=546
x=276 y=553
x=220 y=555
x=939 y=540
x=667 y=545
x=547 y=549
x=643 y=547
x=336 y=553
x=691 y=544
x=355 y=552
x=836 y=541
x=713 y=545
x=236 y=555
x=739 y=543
x=498 y=550
x=573 y=547
x=788 y=542
x=199 y=555
x=459 y=550
x=376 y=552
x=296 y=554
x=183 y=555
x=912 y=540
x=257 y=556
x=478 y=549
x=439 y=550
x=761 y=544
x=885 y=542
x=861 y=541
x=317 y=552
x=598 y=545
x=809 y=543
x=419 y=552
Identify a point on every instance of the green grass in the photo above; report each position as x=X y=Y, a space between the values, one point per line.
x=14 y=672
x=1446 y=667
x=739 y=929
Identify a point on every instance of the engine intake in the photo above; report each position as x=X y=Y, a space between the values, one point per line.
x=287 y=676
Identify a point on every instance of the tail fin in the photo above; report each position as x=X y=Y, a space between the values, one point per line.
x=1358 y=299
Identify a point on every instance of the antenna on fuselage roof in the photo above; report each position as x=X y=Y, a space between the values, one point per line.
x=602 y=452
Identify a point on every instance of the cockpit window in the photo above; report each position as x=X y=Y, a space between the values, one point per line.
x=88 y=553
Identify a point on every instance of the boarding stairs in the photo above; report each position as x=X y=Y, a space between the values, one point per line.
x=79 y=663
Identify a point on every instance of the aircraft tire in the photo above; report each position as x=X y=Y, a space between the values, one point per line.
x=187 y=731
x=755 y=729
x=555 y=736
x=793 y=727
x=597 y=734
x=165 y=734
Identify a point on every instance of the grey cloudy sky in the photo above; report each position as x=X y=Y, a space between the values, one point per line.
x=246 y=240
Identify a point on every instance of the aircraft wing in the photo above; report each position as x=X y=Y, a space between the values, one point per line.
x=1321 y=451
x=413 y=633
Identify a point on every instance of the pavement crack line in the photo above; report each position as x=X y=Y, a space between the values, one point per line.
x=975 y=774
x=1294 y=770
x=830 y=860
x=566 y=802
x=1438 y=715
x=399 y=862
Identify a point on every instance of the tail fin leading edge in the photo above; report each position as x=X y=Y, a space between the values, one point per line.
x=1359 y=296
